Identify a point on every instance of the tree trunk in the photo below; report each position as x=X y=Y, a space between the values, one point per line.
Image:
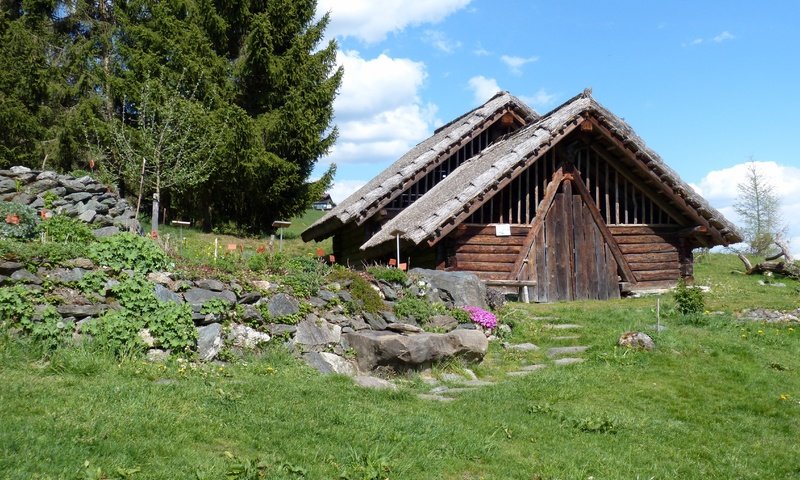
x=784 y=267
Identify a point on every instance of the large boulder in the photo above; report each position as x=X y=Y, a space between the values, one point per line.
x=326 y=362
x=459 y=288
x=402 y=352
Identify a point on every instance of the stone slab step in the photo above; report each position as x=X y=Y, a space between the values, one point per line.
x=564 y=338
x=561 y=326
x=559 y=351
x=568 y=361
x=526 y=370
x=434 y=398
x=521 y=347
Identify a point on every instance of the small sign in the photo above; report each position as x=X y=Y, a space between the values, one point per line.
x=502 y=230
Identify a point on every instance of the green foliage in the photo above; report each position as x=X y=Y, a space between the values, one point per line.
x=118 y=332
x=63 y=229
x=688 y=300
x=16 y=306
x=419 y=309
x=215 y=306
x=173 y=327
x=126 y=251
x=461 y=315
x=17 y=221
x=391 y=275
x=304 y=274
x=42 y=253
x=51 y=331
x=49 y=197
x=365 y=298
x=257 y=263
x=93 y=282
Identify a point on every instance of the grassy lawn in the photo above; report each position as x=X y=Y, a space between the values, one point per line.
x=717 y=399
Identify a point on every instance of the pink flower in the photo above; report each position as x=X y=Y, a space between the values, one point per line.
x=482 y=317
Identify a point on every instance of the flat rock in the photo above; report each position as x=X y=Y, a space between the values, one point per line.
x=403 y=328
x=375 y=322
x=568 y=361
x=319 y=332
x=7 y=268
x=564 y=338
x=244 y=337
x=561 y=326
x=278 y=329
x=249 y=298
x=199 y=296
x=81 y=311
x=444 y=323
x=103 y=232
x=521 y=347
x=326 y=295
x=526 y=370
x=560 y=351
x=477 y=383
x=251 y=314
x=282 y=305
x=210 y=284
x=84 y=263
x=209 y=341
x=25 y=276
x=87 y=216
x=64 y=275
x=435 y=398
x=328 y=363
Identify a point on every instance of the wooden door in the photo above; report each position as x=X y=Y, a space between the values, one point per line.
x=571 y=258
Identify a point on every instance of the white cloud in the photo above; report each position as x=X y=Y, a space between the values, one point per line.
x=440 y=41
x=483 y=88
x=540 y=100
x=342 y=189
x=379 y=112
x=724 y=37
x=481 y=52
x=371 y=21
x=719 y=187
x=515 y=64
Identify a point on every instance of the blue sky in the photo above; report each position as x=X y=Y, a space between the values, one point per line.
x=707 y=84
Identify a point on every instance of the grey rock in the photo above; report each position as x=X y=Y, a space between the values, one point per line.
x=47 y=175
x=65 y=275
x=375 y=349
x=561 y=326
x=319 y=332
x=375 y=322
x=567 y=361
x=98 y=207
x=84 y=263
x=444 y=323
x=156 y=355
x=198 y=296
x=7 y=185
x=283 y=304
x=328 y=363
x=87 y=216
x=366 y=381
x=209 y=341
x=358 y=323
x=560 y=351
x=164 y=294
x=7 y=268
x=147 y=338
x=278 y=329
x=101 y=221
x=337 y=319
x=161 y=278
x=317 y=302
x=4 y=280
x=389 y=293
x=345 y=296
x=78 y=197
x=460 y=288
x=25 y=276
x=19 y=169
x=40 y=186
x=72 y=186
x=244 y=337
x=249 y=298
x=389 y=317
x=37 y=204
x=251 y=314
x=103 y=232
x=24 y=198
x=435 y=398
x=636 y=340
x=81 y=311
x=403 y=328
x=210 y=284
x=326 y=295
x=521 y=347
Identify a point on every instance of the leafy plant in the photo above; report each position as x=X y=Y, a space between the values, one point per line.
x=52 y=331
x=391 y=275
x=49 y=197
x=417 y=308
x=17 y=221
x=61 y=228
x=16 y=306
x=173 y=327
x=42 y=253
x=688 y=300
x=125 y=251
x=93 y=282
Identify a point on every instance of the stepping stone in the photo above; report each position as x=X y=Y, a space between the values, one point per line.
x=559 y=351
x=365 y=381
x=477 y=383
x=521 y=347
x=561 y=326
x=438 y=390
x=567 y=361
x=566 y=337
x=526 y=370
x=452 y=377
x=436 y=398
x=543 y=318
x=460 y=390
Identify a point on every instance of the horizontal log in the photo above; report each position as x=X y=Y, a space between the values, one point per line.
x=657 y=275
x=490 y=230
x=648 y=248
x=652 y=257
x=490 y=240
x=643 y=229
x=475 y=248
x=653 y=284
x=510 y=283
x=485 y=266
x=491 y=275
x=628 y=239
x=486 y=257
x=639 y=267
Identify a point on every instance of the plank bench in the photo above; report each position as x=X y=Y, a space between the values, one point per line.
x=520 y=287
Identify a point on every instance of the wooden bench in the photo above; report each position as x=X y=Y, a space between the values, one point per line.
x=520 y=287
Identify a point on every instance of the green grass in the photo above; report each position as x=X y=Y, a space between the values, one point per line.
x=707 y=403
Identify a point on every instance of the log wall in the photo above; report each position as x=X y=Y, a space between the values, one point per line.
x=477 y=249
x=653 y=253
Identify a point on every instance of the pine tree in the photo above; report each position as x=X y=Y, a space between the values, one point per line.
x=759 y=209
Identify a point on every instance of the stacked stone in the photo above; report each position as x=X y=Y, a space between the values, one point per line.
x=83 y=198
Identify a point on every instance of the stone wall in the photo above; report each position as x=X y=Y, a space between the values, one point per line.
x=84 y=198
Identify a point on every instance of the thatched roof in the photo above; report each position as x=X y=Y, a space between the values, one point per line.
x=391 y=182
x=440 y=209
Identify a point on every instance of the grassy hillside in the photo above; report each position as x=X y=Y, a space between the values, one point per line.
x=717 y=398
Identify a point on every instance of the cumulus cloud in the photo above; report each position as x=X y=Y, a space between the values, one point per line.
x=372 y=21
x=342 y=189
x=719 y=187
x=541 y=100
x=515 y=64
x=724 y=37
x=440 y=41
x=483 y=88
x=481 y=52
x=378 y=111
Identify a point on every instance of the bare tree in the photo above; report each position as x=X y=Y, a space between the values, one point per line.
x=759 y=209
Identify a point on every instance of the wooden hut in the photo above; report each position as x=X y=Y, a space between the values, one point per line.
x=572 y=204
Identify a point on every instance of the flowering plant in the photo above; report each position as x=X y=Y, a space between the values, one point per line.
x=482 y=317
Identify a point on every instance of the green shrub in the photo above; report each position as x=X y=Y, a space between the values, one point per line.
x=62 y=229
x=257 y=263
x=16 y=305
x=419 y=309
x=126 y=251
x=93 y=282
x=365 y=298
x=49 y=197
x=688 y=300
x=41 y=253
x=52 y=331
x=461 y=315
x=17 y=221
x=391 y=275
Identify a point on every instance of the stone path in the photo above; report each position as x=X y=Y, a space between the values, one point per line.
x=556 y=356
